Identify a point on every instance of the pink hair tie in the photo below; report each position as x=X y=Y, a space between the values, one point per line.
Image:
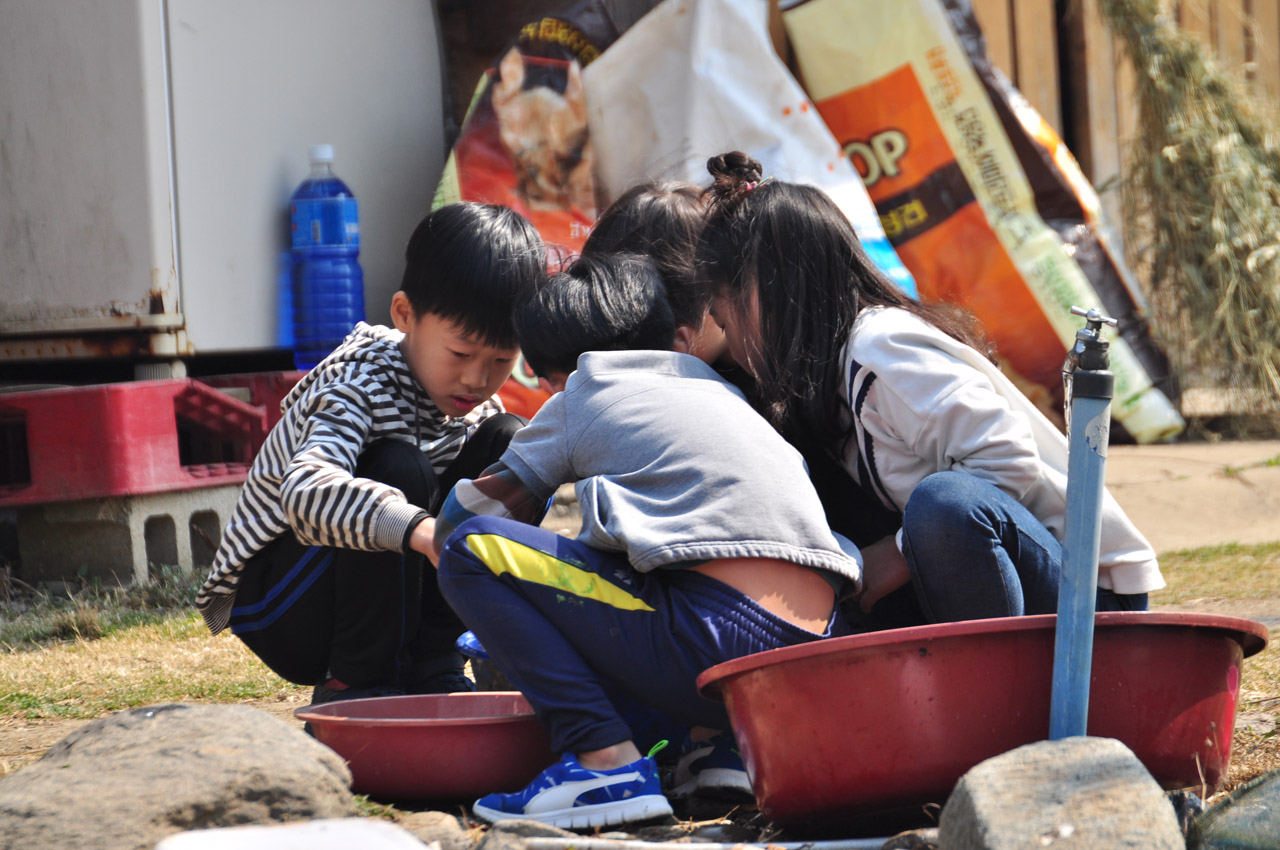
x=752 y=185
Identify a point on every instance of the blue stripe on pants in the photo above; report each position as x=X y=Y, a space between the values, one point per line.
x=565 y=622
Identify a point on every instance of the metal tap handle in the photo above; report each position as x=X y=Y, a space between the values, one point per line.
x=1094 y=318
x=1090 y=349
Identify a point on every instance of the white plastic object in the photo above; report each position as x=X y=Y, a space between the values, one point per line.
x=327 y=834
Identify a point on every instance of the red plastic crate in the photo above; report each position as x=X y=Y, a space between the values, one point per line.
x=265 y=389
x=123 y=439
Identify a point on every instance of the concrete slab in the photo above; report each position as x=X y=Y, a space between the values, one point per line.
x=1188 y=495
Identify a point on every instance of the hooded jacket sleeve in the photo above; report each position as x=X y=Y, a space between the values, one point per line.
x=918 y=409
x=520 y=485
x=325 y=503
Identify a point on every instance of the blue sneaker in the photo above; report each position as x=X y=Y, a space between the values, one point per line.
x=711 y=768
x=570 y=796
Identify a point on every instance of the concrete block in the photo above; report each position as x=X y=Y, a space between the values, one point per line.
x=1076 y=793
x=118 y=539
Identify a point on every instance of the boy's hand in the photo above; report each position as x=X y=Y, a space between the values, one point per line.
x=423 y=539
x=884 y=570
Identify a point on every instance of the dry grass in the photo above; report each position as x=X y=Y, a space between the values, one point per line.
x=1204 y=217
x=1214 y=578
x=1254 y=753
x=176 y=659
x=1222 y=572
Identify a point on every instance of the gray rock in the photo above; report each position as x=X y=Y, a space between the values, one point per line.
x=128 y=780
x=511 y=834
x=441 y=828
x=1085 y=793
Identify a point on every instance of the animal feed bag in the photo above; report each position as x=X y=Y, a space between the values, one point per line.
x=696 y=78
x=967 y=180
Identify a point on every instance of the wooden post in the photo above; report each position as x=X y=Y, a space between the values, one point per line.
x=994 y=18
x=1193 y=16
x=1266 y=46
x=1095 y=121
x=1035 y=41
x=1231 y=36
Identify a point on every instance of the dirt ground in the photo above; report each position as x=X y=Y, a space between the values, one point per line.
x=1181 y=496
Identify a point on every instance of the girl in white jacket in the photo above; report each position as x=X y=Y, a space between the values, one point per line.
x=901 y=396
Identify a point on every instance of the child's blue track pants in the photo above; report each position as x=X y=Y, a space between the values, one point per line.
x=570 y=625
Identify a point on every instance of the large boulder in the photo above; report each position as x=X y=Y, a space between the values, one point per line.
x=128 y=780
x=1085 y=793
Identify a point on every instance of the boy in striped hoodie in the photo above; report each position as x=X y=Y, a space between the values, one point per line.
x=323 y=569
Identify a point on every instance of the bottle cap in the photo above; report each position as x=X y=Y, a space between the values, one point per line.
x=321 y=153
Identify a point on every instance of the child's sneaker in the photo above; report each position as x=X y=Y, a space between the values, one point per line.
x=570 y=796
x=711 y=768
x=331 y=690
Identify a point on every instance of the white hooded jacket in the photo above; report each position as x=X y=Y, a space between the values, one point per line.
x=922 y=402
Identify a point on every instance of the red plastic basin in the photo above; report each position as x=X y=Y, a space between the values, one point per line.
x=434 y=747
x=875 y=726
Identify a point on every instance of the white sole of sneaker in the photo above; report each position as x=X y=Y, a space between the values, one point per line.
x=619 y=812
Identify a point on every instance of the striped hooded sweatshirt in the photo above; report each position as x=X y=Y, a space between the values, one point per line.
x=302 y=480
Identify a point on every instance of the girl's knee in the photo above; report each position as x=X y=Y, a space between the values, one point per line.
x=939 y=494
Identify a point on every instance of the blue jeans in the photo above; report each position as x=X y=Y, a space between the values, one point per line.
x=975 y=552
x=578 y=630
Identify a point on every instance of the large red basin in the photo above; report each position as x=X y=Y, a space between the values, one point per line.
x=874 y=727
x=441 y=746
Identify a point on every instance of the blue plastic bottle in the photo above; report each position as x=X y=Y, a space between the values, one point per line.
x=328 y=284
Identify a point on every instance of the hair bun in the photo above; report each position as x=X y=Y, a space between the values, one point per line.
x=735 y=167
x=734 y=175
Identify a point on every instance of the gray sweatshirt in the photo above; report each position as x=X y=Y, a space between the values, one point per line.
x=670 y=463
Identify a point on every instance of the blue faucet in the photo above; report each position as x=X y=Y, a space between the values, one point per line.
x=1089 y=386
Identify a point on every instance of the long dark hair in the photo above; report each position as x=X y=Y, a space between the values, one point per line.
x=792 y=247
x=660 y=220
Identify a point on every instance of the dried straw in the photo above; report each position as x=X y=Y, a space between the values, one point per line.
x=1204 y=208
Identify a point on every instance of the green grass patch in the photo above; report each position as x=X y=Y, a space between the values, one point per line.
x=40 y=618
x=1229 y=571
x=367 y=808
x=171 y=659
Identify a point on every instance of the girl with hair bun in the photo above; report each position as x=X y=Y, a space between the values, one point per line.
x=950 y=480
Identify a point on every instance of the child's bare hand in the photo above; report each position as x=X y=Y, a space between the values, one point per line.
x=423 y=539
x=884 y=570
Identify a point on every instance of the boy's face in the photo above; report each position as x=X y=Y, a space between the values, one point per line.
x=457 y=370
x=707 y=341
x=741 y=327
x=553 y=382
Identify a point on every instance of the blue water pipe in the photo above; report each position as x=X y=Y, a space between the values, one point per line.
x=1089 y=386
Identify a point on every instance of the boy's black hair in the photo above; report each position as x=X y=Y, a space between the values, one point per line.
x=468 y=263
x=661 y=220
x=614 y=302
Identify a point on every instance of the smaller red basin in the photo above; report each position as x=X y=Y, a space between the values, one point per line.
x=434 y=747
x=875 y=724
